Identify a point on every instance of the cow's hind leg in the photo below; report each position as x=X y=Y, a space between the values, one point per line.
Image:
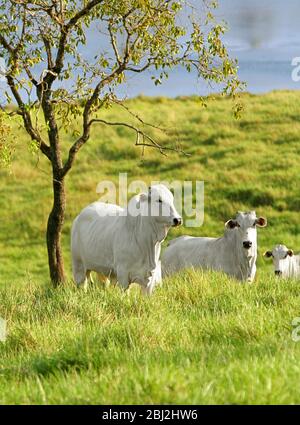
x=90 y=277
x=123 y=279
x=80 y=274
x=103 y=279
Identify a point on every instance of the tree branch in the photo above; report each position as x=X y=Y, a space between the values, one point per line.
x=114 y=43
x=147 y=141
x=65 y=29
x=26 y=117
x=6 y=44
x=48 y=49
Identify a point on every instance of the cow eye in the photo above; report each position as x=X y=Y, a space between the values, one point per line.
x=160 y=201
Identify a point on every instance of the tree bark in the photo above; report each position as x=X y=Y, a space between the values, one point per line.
x=54 y=229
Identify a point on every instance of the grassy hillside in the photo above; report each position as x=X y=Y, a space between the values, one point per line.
x=201 y=338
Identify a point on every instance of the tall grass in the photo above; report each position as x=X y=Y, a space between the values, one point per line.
x=202 y=338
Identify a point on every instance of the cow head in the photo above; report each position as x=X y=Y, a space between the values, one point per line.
x=280 y=255
x=160 y=204
x=157 y=203
x=245 y=225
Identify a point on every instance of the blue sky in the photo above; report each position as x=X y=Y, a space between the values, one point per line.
x=263 y=35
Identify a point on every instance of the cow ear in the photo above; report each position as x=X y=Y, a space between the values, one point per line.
x=268 y=254
x=290 y=252
x=261 y=222
x=231 y=224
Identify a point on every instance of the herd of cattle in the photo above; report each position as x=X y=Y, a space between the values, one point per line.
x=125 y=244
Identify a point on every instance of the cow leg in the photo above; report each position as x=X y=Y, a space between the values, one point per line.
x=157 y=275
x=90 y=277
x=103 y=279
x=113 y=280
x=80 y=275
x=147 y=290
x=123 y=279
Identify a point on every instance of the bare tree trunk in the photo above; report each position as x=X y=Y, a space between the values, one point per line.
x=54 y=229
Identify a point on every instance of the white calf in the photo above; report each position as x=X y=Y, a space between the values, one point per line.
x=286 y=264
x=235 y=253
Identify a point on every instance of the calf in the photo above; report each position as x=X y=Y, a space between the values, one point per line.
x=235 y=253
x=286 y=264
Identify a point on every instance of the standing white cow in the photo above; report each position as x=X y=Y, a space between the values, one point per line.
x=235 y=253
x=124 y=243
x=286 y=264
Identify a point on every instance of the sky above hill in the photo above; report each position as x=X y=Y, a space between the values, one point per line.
x=263 y=35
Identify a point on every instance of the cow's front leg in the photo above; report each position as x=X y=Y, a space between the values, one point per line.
x=147 y=290
x=103 y=279
x=123 y=279
x=157 y=276
x=148 y=285
x=90 y=277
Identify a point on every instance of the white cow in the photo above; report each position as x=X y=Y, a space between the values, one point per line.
x=286 y=264
x=235 y=253
x=124 y=243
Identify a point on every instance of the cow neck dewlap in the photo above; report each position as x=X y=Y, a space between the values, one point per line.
x=147 y=236
x=295 y=261
x=290 y=266
x=240 y=258
x=147 y=227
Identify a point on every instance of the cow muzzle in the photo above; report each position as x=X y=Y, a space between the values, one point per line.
x=247 y=244
x=177 y=221
x=278 y=272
